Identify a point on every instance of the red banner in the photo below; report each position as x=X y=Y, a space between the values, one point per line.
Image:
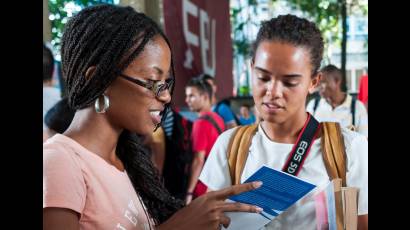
x=200 y=36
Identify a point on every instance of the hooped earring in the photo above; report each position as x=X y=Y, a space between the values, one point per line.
x=106 y=104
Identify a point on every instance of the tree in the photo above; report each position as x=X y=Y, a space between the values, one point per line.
x=327 y=13
x=61 y=11
x=241 y=40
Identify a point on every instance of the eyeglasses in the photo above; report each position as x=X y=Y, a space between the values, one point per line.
x=157 y=87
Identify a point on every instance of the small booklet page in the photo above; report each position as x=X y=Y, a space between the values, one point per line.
x=278 y=192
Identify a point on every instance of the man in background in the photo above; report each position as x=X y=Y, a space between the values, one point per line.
x=205 y=130
x=221 y=108
x=337 y=105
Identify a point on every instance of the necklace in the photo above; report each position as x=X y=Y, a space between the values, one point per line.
x=145 y=211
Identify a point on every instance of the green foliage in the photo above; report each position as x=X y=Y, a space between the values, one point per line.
x=59 y=11
x=327 y=14
x=241 y=43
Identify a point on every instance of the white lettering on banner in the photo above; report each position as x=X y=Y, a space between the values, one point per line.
x=189 y=57
x=204 y=24
x=189 y=7
x=206 y=27
x=120 y=227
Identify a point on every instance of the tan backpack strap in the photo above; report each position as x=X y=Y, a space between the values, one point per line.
x=333 y=148
x=238 y=150
x=233 y=149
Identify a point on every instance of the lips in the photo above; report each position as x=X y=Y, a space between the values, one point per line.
x=272 y=107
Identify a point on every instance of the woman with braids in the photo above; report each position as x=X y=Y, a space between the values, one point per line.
x=286 y=57
x=97 y=175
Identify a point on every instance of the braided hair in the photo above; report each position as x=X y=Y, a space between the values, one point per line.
x=110 y=37
x=296 y=31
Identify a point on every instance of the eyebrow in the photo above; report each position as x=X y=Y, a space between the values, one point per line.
x=159 y=70
x=293 y=75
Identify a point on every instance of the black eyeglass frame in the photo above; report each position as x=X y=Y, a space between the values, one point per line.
x=156 y=87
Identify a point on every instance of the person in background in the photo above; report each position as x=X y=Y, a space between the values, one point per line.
x=221 y=107
x=246 y=117
x=178 y=153
x=364 y=88
x=97 y=174
x=51 y=94
x=205 y=130
x=336 y=105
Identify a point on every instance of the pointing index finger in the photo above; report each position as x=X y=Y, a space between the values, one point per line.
x=237 y=189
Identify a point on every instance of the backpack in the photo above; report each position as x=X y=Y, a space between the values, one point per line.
x=179 y=154
x=238 y=122
x=212 y=121
x=178 y=157
x=332 y=146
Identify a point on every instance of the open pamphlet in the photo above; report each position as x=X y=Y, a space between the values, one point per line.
x=278 y=192
x=334 y=206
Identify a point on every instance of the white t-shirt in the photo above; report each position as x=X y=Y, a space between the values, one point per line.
x=341 y=114
x=263 y=151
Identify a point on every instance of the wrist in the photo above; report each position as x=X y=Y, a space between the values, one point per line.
x=189 y=193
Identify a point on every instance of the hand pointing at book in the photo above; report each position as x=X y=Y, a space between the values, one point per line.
x=208 y=211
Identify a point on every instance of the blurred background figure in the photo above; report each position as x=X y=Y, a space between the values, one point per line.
x=178 y=153
x=364 y=88
x=246 y=117
x=337 y=105
x=222 y=107
x=58 y=118
x=205 y=131
x=51 y=94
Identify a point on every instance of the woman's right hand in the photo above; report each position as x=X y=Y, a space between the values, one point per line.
x=208 y=211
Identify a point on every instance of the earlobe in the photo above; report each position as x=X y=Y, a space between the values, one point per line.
x=89 y=72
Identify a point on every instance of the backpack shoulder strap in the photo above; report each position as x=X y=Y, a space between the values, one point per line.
x=333 y=148
x=332 y=144
x=212 y=121
x=353 y=110
x=315 y=104
x=238 y=150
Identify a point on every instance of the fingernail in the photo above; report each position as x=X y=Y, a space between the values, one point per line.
x=257 y=184
x=258 y=209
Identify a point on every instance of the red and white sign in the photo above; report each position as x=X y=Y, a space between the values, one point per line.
x=200 y=35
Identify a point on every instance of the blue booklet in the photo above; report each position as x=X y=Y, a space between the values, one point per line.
x=278 y=192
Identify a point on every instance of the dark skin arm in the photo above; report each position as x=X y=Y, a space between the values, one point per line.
x=196 y=168
x=204 y=213
x=208 y=211
x=60 y=218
